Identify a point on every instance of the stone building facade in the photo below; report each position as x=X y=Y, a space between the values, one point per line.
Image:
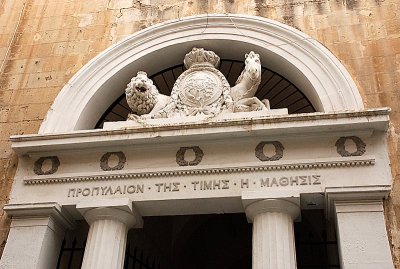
x=44 y=43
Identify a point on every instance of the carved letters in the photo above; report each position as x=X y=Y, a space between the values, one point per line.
x=278 y=151
x=180 y=156
x=106 y=190
x=199 y=185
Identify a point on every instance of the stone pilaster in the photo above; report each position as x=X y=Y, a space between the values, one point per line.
x=109 y=224
x=35 y=237
x=360 y=226
x=273 y=233
x=361 y=230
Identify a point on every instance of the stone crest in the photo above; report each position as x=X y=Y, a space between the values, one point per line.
x=201 y=90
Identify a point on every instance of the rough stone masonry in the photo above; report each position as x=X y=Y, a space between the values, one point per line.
x=43 y=43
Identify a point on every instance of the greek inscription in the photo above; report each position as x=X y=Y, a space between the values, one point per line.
x=167 y=187
x=274 y=183
x=303 y=180
x=109 y=191
x=283 y=181
x=105 y=159
x=38 y=165
x=95 y=189
x=225 y=184
x=259 y=151
x=118 y=190
x=180 y=156
x=290 y=181
x=71 y=193
x=106 y=190
x=103 y=190
x=264 y=182
x=205 y=185
x=196 y=185
x=131 y=189
x=341 y=146
x=316 y=179
x=86 y=192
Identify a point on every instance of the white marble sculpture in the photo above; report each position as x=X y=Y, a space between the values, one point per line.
x=246 y=86
x=143 y=97
x=202 y=90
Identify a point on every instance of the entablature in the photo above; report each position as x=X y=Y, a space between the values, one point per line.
x=164 y=168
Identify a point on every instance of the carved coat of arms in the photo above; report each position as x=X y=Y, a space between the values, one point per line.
x=200 y=90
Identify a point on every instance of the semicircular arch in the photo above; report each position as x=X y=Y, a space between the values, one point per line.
x=303 y=60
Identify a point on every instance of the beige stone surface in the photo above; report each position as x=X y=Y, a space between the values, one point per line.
x=43 y=43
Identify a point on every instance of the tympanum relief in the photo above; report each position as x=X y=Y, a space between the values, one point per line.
x=202 y=90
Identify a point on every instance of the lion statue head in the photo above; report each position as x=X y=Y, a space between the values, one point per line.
x=141 y=94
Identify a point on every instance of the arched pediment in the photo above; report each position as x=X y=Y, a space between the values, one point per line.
x=303 y=60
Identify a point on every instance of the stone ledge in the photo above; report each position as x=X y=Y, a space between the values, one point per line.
x=310 y=124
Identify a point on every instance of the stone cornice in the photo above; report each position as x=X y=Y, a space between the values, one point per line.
x=316 y=124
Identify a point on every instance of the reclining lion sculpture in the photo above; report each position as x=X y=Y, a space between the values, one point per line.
x=143 y=97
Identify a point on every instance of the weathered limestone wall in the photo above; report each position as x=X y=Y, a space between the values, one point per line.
x=43 y=43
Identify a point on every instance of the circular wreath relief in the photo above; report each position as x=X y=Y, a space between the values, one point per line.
x=341 y=147
x=180 y=156
x=278 y=151
x=38 y=166
x=105 y=158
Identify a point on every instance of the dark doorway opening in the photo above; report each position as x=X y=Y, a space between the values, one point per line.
x=208 y=242
x=194 y=242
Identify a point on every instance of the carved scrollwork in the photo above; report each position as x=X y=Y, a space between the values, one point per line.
x=341 y=146
x=180 y=156
x=38 y=165
x=104 y=161
x=278 y=151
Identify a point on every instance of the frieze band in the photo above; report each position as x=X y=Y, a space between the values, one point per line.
x=199 y=154
x=194 y=172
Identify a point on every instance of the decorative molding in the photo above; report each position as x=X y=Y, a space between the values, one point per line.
x=37 y=167
x=31 y=210
x=195 y=172
x=180 y=156
x=104 y=161
x=341 y=146
x=278 y=151
x=360 y=123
